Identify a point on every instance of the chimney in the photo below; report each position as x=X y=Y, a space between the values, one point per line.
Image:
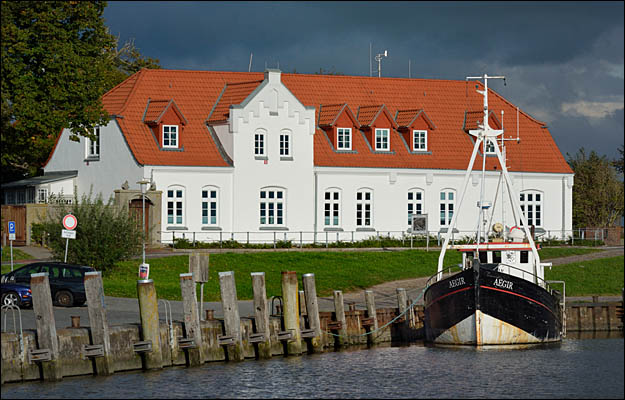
x=272 y=75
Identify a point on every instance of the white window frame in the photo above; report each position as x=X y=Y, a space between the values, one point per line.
x=272 y=203
x=93 y=146
x=532 y=208
x=382 y=133
x=416 y=203
x=171 y=142
x=332 y=207
x=419 y=145
x=364 y=206
x=42 y=195
x=343 y=138
x=210 y=204
x=447 y=206
x=285 y=144
x=175 y=205
x=260 y=144
x=489 y=147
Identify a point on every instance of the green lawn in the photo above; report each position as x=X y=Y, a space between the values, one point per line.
x=17 y=254
x=587 y=278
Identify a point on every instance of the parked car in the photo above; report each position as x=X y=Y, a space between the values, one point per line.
x=67 y=284
x=13 y=293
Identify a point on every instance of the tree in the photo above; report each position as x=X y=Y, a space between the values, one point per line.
x=105 y=233
x=597 y=193
x=618 y=163
x=58 y=59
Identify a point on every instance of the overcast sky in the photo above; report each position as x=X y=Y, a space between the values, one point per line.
x=563 y=61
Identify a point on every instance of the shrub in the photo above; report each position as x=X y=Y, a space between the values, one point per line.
x=105 y=234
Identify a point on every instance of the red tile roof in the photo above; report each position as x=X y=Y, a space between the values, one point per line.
x=405 y=118
x=196 y=93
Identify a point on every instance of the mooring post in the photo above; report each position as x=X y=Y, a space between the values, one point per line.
x=372 y=313
x=191 y=319
x=261 y=313
x=339 y=311
x=402 y=304
x=46 y=326
x=312 y=311
x=148 y=310
x=198 y=266
x=97 y=319
x=291 y=311
x=232 y=322
x=302 y=303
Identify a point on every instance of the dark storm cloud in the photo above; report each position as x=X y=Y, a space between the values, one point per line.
x=563 y=60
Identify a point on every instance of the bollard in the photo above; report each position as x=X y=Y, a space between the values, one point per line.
x=148 y=310
x=75 y=321
x=402 y=304
x=312 y=311
x=261 y=313
x=232 y=322
x=94 y=292
x=191 y=319
x=373 y=314
x=339 y=311
x=291 y=312
x=46 y=326
x=198 y=266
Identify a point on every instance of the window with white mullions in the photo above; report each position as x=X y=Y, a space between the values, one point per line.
x=285 y=144
x=343 y=138
x=531 y=205
x=93 y=146
x=415 y=204
x=490 y=147
x=419 y=140
x=175 y=206
x=382 y=140
x=446 y=207
x=272 y=207
x=210 y=198
x=332 y=206
x=259 y=144
x=364 y=207
x=170 y=136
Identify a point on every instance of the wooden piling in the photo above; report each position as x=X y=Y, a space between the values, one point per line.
x=373 y=314
x=402 y=305
x=312 y=311
x=262 y=313
x=148 y=310
x=97 y=320
x=191 y=319
x=291 y=311
x=302 y=303
x=232 y=322
x=46 y=326
x=339 y=312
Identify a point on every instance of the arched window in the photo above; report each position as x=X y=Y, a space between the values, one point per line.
x=332 y=207
x=210 y=205
x=260 y=143
x=415 y=203
x=175 y=205
x=532 y=206
x=272 y=206
x=364 y=208
x=447 y=203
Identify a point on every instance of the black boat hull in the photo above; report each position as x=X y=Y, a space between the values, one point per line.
x=482 y=306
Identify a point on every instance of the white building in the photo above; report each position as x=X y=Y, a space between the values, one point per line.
x=256 y=155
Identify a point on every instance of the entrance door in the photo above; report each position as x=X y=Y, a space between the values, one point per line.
x=17 y=214
x=136 y=209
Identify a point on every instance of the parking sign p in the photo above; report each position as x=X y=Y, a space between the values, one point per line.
x=11 y=226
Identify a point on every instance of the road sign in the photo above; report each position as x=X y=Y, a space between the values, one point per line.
x=67 y=234
x=11 y=230
x=70 y=222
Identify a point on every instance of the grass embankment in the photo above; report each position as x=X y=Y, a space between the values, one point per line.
x=344 y=271
x=17 y=254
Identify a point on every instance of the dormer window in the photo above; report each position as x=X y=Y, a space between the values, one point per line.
x=93 y=146
x=170 y=136
x=419 y=140
x=490 y=147
x=343 y=138
x=382 y=140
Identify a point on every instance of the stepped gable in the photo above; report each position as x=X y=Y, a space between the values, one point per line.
x=197 y=93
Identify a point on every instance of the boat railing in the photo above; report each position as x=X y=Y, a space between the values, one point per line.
x=447 y=271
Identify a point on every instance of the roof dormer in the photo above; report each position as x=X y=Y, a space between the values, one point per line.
x=377 y=123
x=473 y=118
x=231 y=94
x=340 y=124
x=166 y=122
x=415 y=126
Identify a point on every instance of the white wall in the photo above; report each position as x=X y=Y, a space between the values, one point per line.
x=116 y=163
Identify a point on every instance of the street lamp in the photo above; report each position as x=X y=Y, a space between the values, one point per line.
x=143 y=264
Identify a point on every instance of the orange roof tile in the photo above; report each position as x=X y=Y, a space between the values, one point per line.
x=197 y=93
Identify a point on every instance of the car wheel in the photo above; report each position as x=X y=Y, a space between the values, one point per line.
x=64 y=298
x=11 y=298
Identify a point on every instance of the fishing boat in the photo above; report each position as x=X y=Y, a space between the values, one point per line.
x=497 y=295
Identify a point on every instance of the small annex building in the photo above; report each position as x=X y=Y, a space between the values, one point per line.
x=255 y=156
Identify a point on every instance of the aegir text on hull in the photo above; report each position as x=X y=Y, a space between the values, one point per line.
x=499 y=295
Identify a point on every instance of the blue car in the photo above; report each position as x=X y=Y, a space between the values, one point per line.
x=13 y=293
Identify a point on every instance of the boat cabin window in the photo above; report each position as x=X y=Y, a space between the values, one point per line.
x=524 y=257
x=483 y=257
x=496 y=256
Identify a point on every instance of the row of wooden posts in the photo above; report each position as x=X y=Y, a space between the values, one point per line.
x=296 y=335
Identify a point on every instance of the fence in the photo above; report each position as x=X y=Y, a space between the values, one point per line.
x=359 y=238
